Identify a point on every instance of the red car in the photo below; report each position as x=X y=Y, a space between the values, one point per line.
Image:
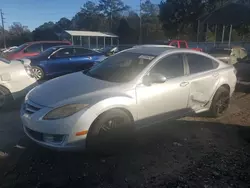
x=178 y=44
x=32 y=49
x=182 y=44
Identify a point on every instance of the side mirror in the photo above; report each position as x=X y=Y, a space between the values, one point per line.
x=25 y=50
x=154 y=78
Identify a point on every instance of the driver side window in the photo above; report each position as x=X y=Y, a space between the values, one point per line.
x=170 y=66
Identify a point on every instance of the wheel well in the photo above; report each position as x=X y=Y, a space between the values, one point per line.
x=5 y=88
x=123 y=109
x=225 y=86
x=127 y=112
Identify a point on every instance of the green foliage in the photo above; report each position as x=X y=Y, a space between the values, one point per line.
x=169 y=19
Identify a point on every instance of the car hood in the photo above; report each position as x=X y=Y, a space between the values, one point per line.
x=67 y=89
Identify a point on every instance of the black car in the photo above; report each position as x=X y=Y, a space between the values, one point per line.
x=243 y=70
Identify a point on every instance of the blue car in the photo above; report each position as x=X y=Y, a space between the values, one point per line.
x=61 y=60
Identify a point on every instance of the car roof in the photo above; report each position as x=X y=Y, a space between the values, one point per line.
x=150 y=49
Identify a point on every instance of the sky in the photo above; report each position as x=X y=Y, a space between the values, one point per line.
x=33 y=13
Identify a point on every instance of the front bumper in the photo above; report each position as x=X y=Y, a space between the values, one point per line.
x=54 y=134
x=63 y=146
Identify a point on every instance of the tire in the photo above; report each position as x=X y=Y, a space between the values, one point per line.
x=5 y=97
x=38 y=73
x=104 y=138
x=220 y=103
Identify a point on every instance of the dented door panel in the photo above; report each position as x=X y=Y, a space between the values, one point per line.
x=201 y=90
x=203 y=78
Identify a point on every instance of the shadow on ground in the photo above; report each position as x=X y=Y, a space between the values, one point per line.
x=170 y=154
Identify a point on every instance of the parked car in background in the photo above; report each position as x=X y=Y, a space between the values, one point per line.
x=15 y=81
x=229 y=55
x=9 y=49
x=131 y=89
x=60 y=60
x=243 y=71
x=30 y=49
x=179 y=44
x=108 y=51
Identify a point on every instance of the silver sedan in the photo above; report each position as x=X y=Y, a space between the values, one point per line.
x=132 y=89
x=15 y=81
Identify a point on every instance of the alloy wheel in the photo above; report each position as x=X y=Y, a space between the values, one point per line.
x=111 y=126
x=223 y=103
x=38 y=74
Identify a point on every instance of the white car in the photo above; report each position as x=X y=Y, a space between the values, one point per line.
x=9 y=49
x=15 y=81
x=131 y=89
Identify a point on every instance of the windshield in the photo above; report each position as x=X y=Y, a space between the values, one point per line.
x=122 y=67
x=5 y=60
x=19 y=48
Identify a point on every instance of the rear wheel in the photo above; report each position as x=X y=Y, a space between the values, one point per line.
x=220 y=102
x=110 y=131
x=38 y=73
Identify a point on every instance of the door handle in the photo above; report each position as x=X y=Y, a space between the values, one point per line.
x=69 y=58
x=183 y=84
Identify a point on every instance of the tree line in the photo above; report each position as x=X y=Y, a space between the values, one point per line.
x=169 y=19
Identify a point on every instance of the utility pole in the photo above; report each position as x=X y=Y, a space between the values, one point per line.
x=140 y=35
x=111 y=16
x=2 y=18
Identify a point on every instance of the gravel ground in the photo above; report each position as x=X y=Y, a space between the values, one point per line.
x=190 y=152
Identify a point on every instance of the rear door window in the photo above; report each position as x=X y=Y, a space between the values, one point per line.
x=33 y=48
x=82 y=51
x=199 y=63
x=170 y=66
x=66 y=52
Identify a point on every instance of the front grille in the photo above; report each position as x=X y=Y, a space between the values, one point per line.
x=30 y=107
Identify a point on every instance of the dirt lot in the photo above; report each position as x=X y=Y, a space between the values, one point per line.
x=190 y=152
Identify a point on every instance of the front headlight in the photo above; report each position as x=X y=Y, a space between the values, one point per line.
x=64 y=111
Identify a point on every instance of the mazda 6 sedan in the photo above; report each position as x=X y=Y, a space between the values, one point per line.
x=127 y=91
